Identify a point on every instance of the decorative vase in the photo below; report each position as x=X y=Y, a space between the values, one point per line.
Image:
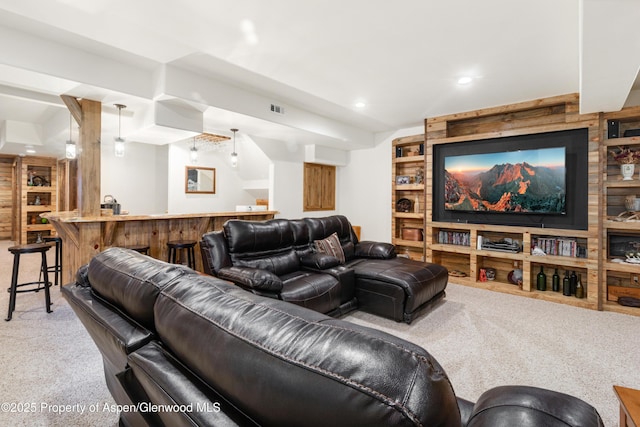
x=627 y=169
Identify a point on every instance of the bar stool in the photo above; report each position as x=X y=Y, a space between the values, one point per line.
x=177 y=245
x=143 y=249
x=41 y=284
x=57 y=268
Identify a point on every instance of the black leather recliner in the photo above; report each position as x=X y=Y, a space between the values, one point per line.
x=256 y=254
x=260 y=257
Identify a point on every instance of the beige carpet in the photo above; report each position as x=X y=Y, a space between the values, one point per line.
x=47 y=361
x=482 y=339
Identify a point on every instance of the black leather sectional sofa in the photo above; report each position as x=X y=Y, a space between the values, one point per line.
x=186 y=349
x=281 y=259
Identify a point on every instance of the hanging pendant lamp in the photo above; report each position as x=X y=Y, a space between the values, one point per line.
x=234 y=155
x=119 y=140
x=194 y=152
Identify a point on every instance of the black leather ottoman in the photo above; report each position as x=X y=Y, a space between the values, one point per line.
x=398 y=288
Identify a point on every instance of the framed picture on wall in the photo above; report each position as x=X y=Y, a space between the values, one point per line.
x=200 y=180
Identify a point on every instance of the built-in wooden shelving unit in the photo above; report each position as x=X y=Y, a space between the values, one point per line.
x=455 y=245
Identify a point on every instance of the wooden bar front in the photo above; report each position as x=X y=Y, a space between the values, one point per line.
x=84 y=237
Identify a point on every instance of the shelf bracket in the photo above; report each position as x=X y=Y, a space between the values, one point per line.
x=74 y=107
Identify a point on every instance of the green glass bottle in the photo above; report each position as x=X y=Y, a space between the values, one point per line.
x=579 y=287
x=566 y=284
x=555 y=281
x=573 y=279
x=542 y=280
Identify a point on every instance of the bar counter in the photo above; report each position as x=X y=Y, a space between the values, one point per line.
x=84 y=237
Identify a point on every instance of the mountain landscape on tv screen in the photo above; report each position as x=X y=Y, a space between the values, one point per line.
x=510 y=188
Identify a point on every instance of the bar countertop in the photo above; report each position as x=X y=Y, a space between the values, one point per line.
x=72 y=216
x=86 y=236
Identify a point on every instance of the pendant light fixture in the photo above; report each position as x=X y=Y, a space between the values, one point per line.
x=194 y=152
x=119 y=140
x=70 y=146
x=234 y=155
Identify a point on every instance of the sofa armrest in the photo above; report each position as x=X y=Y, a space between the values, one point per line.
x=115 y=334
x=319 y=261
x=466 y=409
x=379 y=250
x=526 y=406
x=252 y=278
x=214 y=251
x=157 y=376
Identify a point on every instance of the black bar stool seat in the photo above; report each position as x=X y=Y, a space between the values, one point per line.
x=143 y=249
x=31 y=248
x=57 y=268
x=176 y=246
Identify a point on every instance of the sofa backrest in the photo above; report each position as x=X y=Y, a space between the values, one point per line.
x=266 y=245
x=285 y=365
x=131 y=281
x=321 y=228
x=301 y=237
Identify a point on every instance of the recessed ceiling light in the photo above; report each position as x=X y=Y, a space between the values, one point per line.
x=465 y=80
x=360 y=104
x=30 y=150
x=249 y=31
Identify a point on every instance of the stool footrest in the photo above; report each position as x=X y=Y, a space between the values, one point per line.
x=40 y=283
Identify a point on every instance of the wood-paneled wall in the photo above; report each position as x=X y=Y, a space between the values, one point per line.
x=6 y=197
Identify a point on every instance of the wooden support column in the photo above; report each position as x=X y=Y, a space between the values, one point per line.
x=88 y=115
x=89 y=159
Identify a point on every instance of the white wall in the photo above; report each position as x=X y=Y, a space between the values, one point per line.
x=137 y=180
x=286 y=177
x=230 y=189
x=285 y=180
x=365 y=196
x=150 y=179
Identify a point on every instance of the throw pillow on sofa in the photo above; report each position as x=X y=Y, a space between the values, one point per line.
x=331 y=246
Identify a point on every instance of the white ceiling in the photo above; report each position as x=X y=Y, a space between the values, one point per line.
x=317 y=59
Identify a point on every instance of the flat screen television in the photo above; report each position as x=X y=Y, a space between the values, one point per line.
x=534 y=180
x=520 y=181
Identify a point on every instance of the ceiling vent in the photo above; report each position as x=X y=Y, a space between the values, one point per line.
x=277 y=109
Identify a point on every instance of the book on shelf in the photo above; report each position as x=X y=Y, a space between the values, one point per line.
x=448 y=237
x=559 y=246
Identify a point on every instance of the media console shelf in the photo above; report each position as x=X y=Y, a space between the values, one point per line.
x=455 y=244
x=471 y=258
